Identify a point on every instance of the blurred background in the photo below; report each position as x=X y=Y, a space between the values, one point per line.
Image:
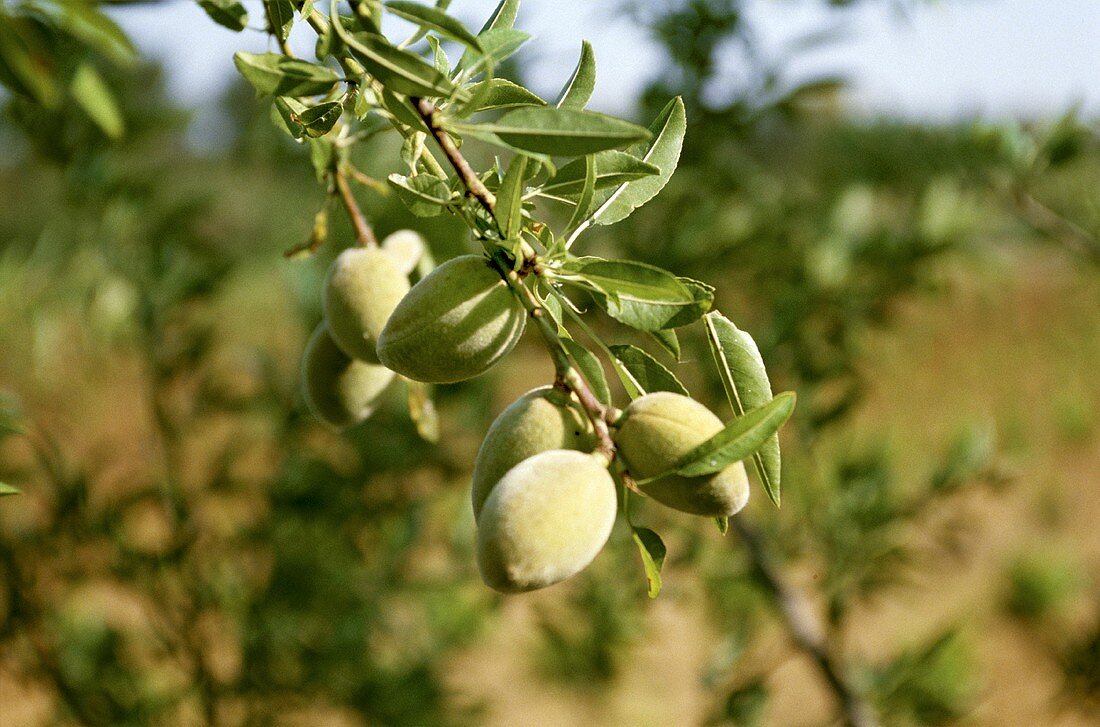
x=899 y=200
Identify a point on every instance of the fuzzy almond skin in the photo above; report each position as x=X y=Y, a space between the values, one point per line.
x=660 y=428
x=453 y=325
x=405 y=248
x=339 y=390
x=540 y=420
x=363 y=286
x=546 y=520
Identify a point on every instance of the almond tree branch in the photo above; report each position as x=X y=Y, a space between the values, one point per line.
x=474 y=186
x=805 y=628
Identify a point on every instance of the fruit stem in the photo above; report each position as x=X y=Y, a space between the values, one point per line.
x=364 y=233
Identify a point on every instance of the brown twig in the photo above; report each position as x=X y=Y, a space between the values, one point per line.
x=805 y=628
x=474 y=186
x=364 y=233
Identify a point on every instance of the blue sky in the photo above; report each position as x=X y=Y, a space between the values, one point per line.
x=935 y=61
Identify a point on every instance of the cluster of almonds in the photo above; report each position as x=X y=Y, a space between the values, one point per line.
x=543 y=495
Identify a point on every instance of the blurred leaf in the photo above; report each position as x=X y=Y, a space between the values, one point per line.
x=6 y=489
x=739 y=439
x=228 y=13
x=25 y=63
x=579 y=88
x=745 y=705
x=562 y=132
x=85 y=22
x=745 y=380
x=95 y=97
x=425 y=195
x=276 y=75
x=590 y=368
x=280 y=17
x=927 y=685
x=663 y=152
x=435 y=19
x=652 y=550
x=642 y=374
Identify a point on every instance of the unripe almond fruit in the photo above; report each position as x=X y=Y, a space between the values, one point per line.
x=545 y=521
x=656 y=431
x=453 y=325
x=405 y=247
x=542 y=419
x=363 y=286
x=339 y=390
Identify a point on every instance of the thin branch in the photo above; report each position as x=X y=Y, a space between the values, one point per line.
x=1045 y=220
x=364 y=233
x=805 y=628
x=466 y=173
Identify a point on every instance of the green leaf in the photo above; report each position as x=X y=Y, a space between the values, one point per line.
x=668 y=340
x=439 y=56
x=403 y=111
x=228 y=13
x=321 y=154
x=663 y=152
x=745 y=380
x=637 y=294
x=95 y=97
x=435 y=19
x=579 y=88
x=425 y=194
x=590 y=368
x=723 y=524
x=84 y=21
x=509 y=208
x=642 y=374
x=612 y=168
x=276 y=75
x=6 y=489
x=588 y=191
x=703 y=295
x=286 y=115
x=499 y=93
x=503 y=17
x=739 y=439
x=652 y=550
x=398 y=70
x=25 y=65
x=497 y=45
x=318 y=120
x=280 y=17
x=563 y=132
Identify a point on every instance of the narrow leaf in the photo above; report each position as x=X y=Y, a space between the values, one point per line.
x=6 y=489
x=644 y=373
x=422 y=411
x=652 y=550
x=739 y=439
x=504 y=16
x=425 y=195
x=509 y=208
x=435 y=19
x=590 y=368
x=276 y=75
x=563 y=132
x=668 y=340
x=588 y=191
x=318 y=120
x=639 y=295
x=745 y=380
x=579 y=88
x=398 y=70
x=227 y=13
x=95 y=97
x=663 y=152
x=612 y=168
x=280 y=17
x=499 y=93
x=497 y=45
